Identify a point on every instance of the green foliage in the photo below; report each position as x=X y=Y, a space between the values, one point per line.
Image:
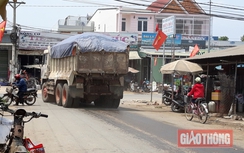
x=224 y=38
x=242 y=38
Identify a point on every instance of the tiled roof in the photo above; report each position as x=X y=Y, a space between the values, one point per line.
x=191 y=7
x=158 y=5
x=175 y=6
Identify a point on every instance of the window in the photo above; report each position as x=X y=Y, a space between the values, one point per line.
x=179 y=26
x=198 y=27
x=123 y=24
x=142 y=24
x=159 y=22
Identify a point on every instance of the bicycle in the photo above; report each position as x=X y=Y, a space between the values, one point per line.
x=200 y=110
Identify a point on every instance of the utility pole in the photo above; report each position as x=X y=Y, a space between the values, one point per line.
x=210 y=20
x=14 y=36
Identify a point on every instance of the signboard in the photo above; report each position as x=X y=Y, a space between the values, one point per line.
x=130 y=38
x=30 y=40
x=168 y=25
x=205 y=38
x=148 y=38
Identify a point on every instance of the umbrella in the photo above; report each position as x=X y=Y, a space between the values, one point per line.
x=132 y=70
x=181 y=67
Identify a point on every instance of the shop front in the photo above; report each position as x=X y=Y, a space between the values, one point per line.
x=223 y=71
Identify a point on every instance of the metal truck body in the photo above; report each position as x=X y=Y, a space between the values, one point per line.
x=90 y=76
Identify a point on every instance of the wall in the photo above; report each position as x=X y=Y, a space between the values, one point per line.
x=105 y=20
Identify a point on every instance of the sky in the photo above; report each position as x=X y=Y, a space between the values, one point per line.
x=45 y=14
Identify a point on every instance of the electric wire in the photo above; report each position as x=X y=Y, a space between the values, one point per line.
x=241 y=18
x=221 y=14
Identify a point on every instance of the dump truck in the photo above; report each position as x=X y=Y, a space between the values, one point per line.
x=85 y=68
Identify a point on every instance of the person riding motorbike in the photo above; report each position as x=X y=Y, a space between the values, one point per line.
x=197 y=90
x=22 y=86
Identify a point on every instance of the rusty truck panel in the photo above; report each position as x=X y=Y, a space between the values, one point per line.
x=103 y=62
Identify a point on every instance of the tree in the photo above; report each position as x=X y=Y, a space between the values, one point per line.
x=242 y=38
x=224 y=38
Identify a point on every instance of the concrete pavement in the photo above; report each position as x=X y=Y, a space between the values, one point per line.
x=155 y=101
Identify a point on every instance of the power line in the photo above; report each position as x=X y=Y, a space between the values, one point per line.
x=214 y=15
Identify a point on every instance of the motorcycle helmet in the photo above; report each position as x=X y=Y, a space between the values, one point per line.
x=198 y=79
x=17 y=76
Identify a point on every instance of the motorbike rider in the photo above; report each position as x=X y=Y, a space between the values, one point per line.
x=22 y=86
x=144 y=84
x=197 y=90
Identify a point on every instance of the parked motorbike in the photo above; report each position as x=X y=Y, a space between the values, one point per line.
x=12 y=132
x=167 y=96
x=179 y=103
x=146 y=86
x=29 y=96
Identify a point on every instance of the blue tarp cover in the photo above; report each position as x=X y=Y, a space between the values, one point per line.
x=87 y=42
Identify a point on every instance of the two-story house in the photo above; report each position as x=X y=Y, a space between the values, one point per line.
x=191 y=24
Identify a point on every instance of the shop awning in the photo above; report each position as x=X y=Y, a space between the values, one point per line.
x=36 y=66
x=30 y=52
x=225 y=56
x=233 y=51
x=132 y=70
x=167 y=52
x=134 y=55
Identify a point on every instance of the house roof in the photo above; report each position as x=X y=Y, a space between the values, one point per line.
x=175 y=6
x=232 y=54
x=158 y=5
x=191 y=7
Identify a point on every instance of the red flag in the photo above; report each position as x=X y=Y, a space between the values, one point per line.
x=194 y=51
x=157 y=28
x=155 y=61
x=159 y=39
x=2 y=29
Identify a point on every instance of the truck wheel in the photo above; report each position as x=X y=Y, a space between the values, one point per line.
x=116 y=103
x=58 y=94
x=76 y=102
x=100 y=102
x=67 y=100
x=45 y=96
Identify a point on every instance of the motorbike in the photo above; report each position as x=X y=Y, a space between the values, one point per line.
x=167 y=96
x=29 y=96
x=12 y=136
x=146 y=86
x=179 y=103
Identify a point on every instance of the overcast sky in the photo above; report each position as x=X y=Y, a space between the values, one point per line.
x=45 y=14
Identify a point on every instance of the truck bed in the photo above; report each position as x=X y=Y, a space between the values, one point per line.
x=103 y=62
x=90 y=63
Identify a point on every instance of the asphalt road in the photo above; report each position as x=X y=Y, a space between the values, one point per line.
x=135 y=127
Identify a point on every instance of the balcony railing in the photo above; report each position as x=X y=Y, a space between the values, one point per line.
x=74 y=26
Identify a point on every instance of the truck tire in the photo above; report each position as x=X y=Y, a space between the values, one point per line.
x=76 y=102
x=100 y=102
x=58 y=94
x=116 y=103
x=45 y=96
x=67 y=100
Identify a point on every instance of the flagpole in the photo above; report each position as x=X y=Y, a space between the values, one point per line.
x=209 y=30
x=151 y=76
x=163 y=62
